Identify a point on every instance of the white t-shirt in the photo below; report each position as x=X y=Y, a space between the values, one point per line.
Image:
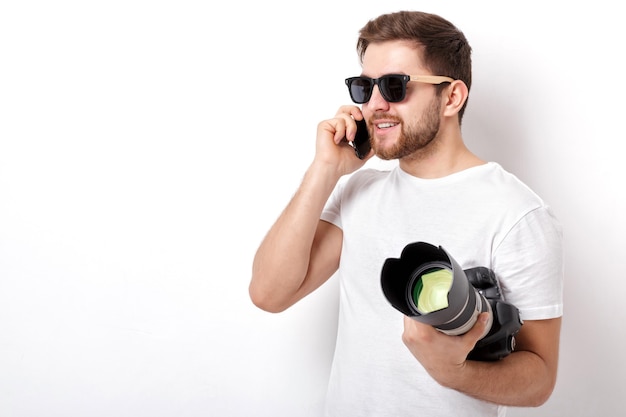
x=482 y=216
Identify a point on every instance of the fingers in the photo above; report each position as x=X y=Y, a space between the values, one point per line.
x=418 y=334
x=346 y=115
x=333 y=137
x=479 y=330
x=415 y=331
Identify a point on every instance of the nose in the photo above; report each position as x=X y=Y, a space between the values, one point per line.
x=377 y=101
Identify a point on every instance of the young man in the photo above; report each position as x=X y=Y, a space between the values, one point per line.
x=416 y=76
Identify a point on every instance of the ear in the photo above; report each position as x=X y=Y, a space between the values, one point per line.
x=455 y=96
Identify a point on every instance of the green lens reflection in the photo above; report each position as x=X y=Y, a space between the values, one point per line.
x=431 y=290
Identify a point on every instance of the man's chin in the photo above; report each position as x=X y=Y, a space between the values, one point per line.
x=386 y=155
x=386 y=151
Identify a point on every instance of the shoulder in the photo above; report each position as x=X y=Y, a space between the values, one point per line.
x=509 y=188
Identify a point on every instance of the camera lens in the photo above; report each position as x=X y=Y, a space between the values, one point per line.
x=430 y=292
x=429 y=286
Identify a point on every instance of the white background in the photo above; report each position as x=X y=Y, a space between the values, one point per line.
x=147 y=146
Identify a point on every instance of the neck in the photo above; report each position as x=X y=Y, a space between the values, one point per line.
x=442 y=157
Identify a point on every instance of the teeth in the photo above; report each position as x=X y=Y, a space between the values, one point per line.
x=386 y=125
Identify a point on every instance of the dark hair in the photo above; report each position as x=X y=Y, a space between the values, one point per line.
x=445 y=50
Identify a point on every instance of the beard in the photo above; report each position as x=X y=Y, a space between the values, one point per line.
x=414 y=139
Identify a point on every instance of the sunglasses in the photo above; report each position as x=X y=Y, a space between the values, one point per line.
x=392 y=86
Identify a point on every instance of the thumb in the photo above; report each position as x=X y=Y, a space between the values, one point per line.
x=480 y=328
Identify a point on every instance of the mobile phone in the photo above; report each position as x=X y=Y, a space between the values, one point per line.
x=361 y=141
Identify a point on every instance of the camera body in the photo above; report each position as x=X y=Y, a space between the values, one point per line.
x=428 y=285
x=500 y=340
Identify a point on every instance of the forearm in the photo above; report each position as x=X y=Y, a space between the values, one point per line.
x=282 y=260
x=521 y=379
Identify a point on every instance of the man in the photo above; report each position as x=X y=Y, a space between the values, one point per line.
x=440 y=192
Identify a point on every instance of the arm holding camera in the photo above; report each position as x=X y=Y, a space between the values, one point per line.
x=526 y=377
x=466 y=336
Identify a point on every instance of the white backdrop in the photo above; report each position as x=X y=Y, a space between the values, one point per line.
x=147 y=146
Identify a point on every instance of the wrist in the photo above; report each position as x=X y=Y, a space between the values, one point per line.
x=324 y=173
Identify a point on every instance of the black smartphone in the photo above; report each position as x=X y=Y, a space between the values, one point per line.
x=361 y=141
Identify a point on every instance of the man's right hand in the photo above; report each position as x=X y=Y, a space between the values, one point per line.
x=332 y=147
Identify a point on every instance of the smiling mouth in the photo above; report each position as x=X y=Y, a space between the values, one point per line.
x=386 y=125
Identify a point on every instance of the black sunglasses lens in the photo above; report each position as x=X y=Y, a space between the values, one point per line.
x=360 y=89
x=392 y=88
